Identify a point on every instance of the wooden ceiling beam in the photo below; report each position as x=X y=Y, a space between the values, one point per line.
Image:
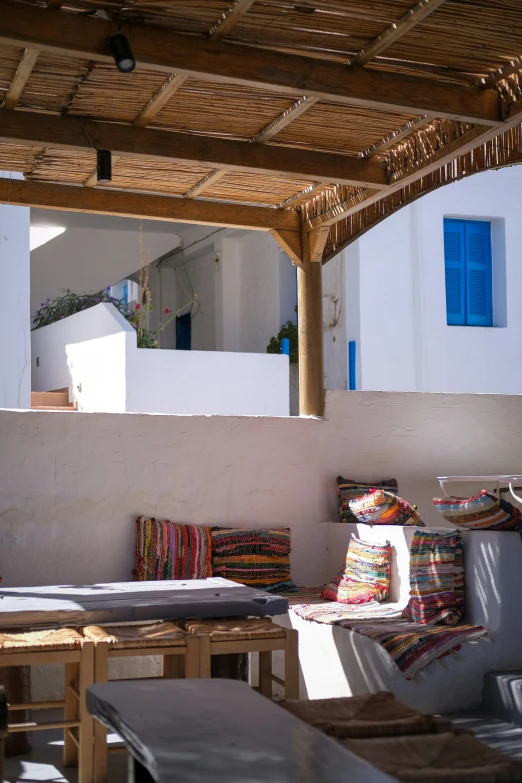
x=158 y=49
x=301 y=195
x=318 y=239
x=393 y=138
x=77 y=133
x=175 y=80
x=231 y=17
x=411 y=18
x=225 y=24
x=21 y=77
x=284 y=119
x=205 y=183
x=142 y=205
x=292 y=113
x=290 y=242
x=158 y=101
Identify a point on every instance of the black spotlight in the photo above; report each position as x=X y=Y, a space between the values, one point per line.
x=103 y=166
x=122 y=53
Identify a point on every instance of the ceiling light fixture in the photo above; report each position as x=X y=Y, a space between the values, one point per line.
x=103 y=165
x=122 y=53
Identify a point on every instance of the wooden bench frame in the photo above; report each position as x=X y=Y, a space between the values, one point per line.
x=78 y=725
x=289 y=644
x=172 y=656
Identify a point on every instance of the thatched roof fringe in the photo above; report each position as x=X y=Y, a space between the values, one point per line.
x=504 y=150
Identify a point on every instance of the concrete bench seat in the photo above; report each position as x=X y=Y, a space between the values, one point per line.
x=336 y=661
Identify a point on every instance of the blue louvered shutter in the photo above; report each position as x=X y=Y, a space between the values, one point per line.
x=455 y=268
x=479 y=309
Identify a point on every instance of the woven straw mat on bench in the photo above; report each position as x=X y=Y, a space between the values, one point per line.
x=121 y=637
x=435 y=758
x=369 y=715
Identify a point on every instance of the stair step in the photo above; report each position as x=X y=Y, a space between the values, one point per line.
x=52 y=400
x=502 y=696
x=70 y=408
x=499 y=734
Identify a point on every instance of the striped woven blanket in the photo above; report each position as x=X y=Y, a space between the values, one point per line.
x=411 y=646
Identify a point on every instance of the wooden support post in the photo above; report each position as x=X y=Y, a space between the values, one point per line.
x=310 y=333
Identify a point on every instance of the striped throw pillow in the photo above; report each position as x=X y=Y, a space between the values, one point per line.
x=349 y=489
x=365 y=575
x=379 y=507
x=256 y=558
x=165 y=550
x=436 y=578
x=484 y=511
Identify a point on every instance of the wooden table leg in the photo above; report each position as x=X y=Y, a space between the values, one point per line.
x=17 y=683
x=3 y=729
x=71 y=712
x=137 y=772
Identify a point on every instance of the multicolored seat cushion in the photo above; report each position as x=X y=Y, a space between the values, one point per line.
x=365 y=575
x=484 y=511
x=166 y=550
x=379 y=507
x=349 y=489
x=436 y=578
x=257 y=558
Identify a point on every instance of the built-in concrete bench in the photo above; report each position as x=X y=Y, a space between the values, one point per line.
x=338 y=662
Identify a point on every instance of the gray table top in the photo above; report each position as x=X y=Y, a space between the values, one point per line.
x=217 y=731
x=121 y=602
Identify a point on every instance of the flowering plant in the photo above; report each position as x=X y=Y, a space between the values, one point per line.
x=137 y=314
x=146 y=337
x=69 y=303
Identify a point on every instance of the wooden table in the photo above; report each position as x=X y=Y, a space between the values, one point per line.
x=120 y=602
x=219 y=731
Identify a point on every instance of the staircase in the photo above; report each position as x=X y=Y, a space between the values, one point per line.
x=498 y=720
x=57 y=400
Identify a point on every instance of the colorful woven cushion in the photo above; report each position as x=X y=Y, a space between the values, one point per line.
x=165 y=550
x=380 y=507
x=349 y=489
x=365 y=575
x=484 y=511
x=257 y=558
x=436 y=578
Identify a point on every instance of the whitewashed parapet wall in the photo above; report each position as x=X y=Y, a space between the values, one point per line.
x=94 y=353
x=15 y=338
x=71 y=485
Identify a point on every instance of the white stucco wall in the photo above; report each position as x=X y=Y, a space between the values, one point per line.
x=52 y=365
x=93 y=253
x=198 y=272
x=206 y=382
x=75 y=482
x=94 y=354
x=405 y=343
x=15 y=342
x=71 y=486
x=337 y=322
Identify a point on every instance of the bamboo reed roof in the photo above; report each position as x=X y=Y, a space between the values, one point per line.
x=407 y=139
